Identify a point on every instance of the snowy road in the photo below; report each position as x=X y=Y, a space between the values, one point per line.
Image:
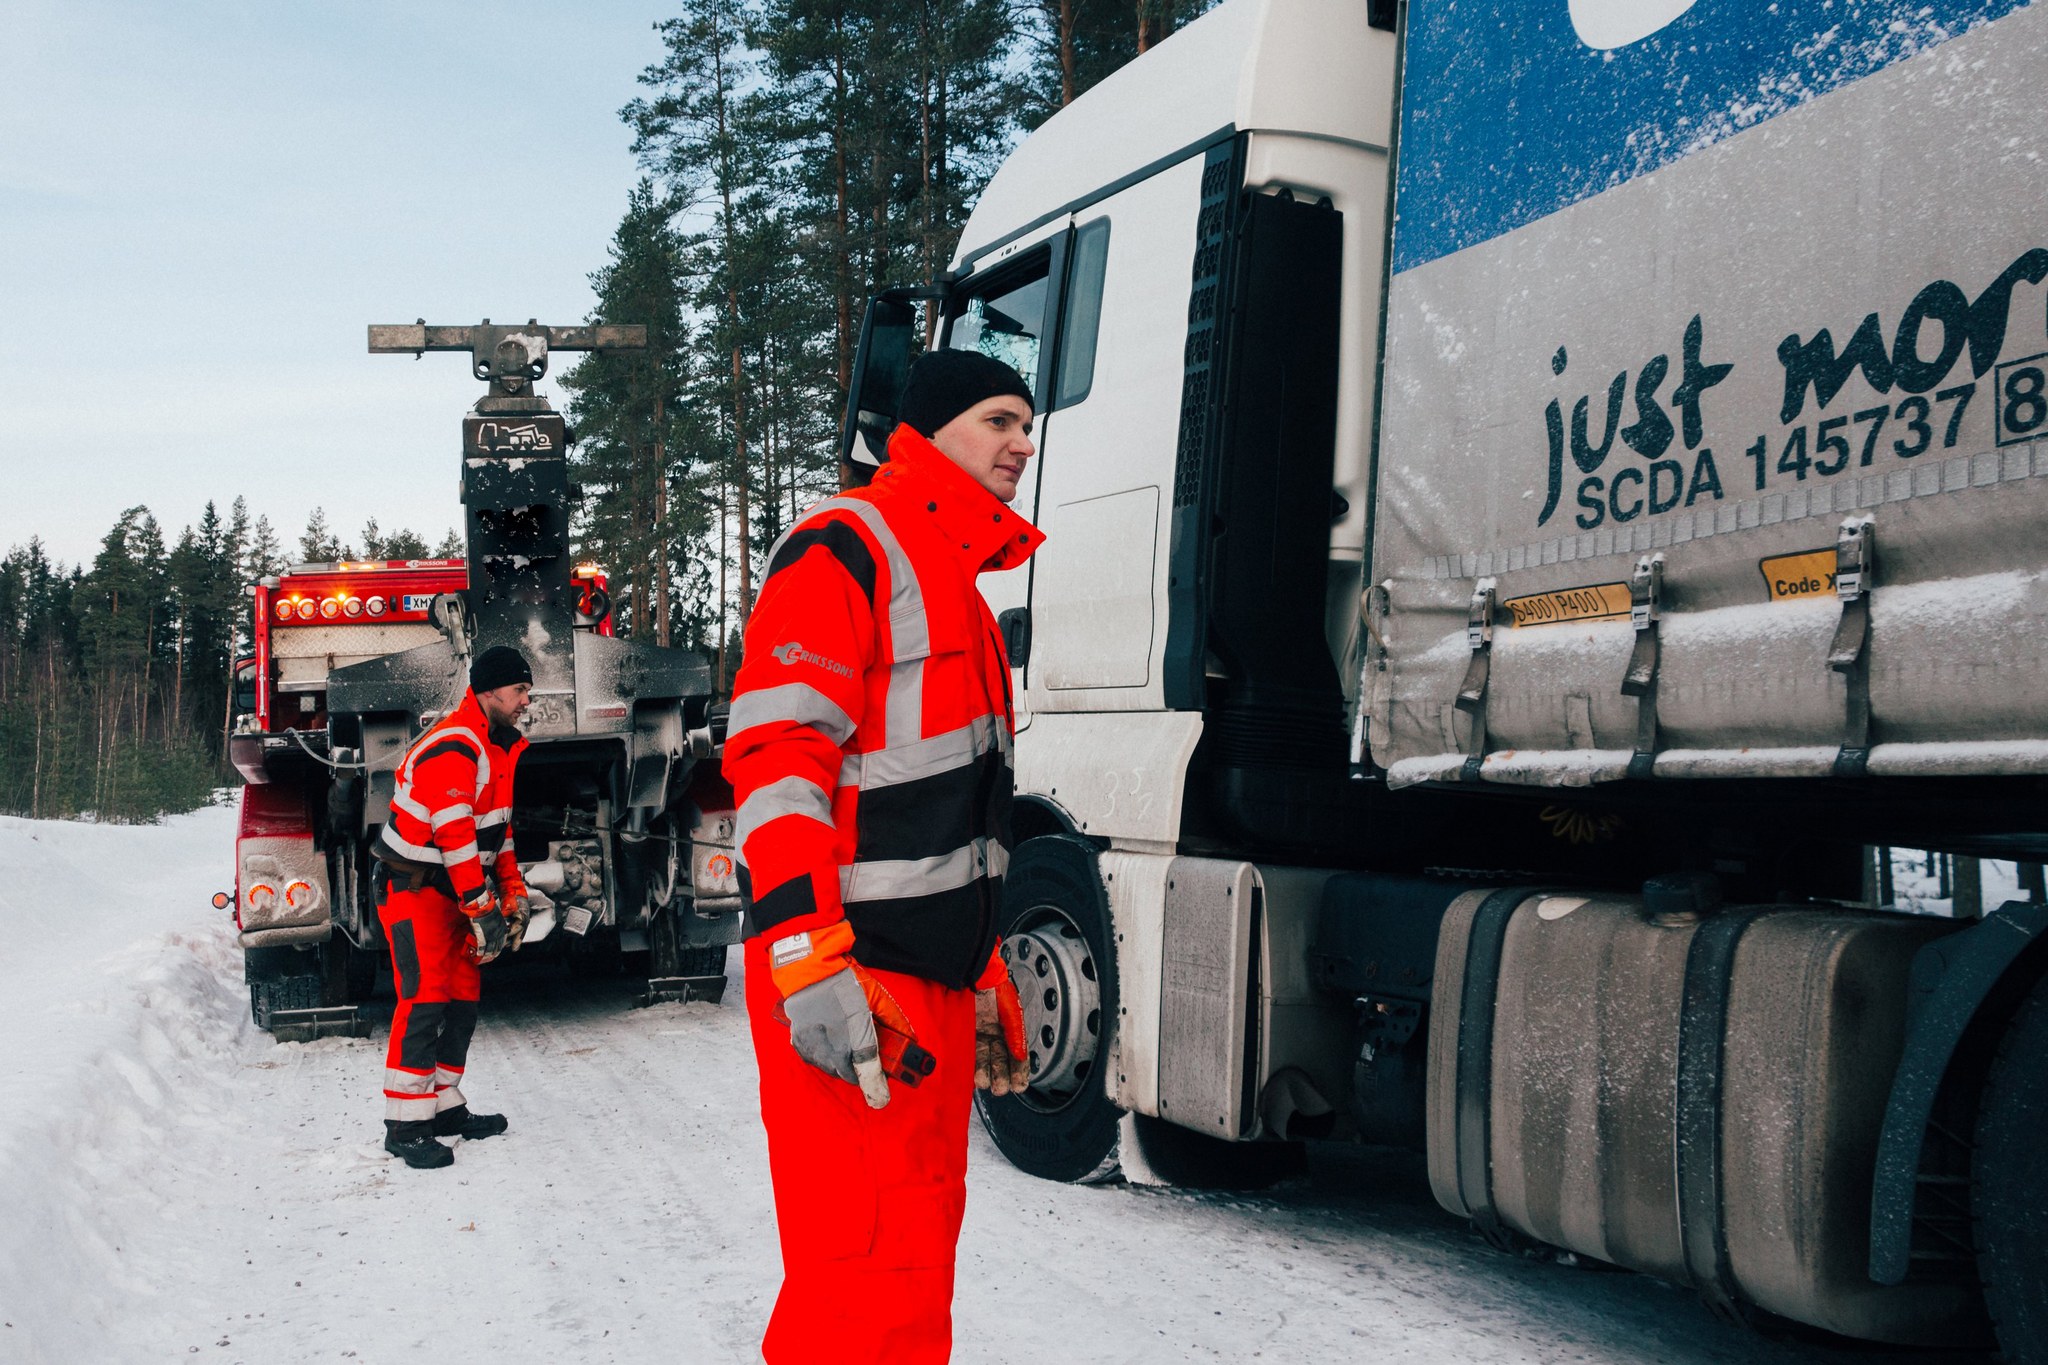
x=179 y=1187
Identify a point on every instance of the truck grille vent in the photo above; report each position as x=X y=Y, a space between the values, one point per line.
x=1204 y=303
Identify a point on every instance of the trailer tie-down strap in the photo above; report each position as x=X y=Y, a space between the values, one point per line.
x=1472 y=692
x=1645 y=588
x=1849 y=655
x=1702 y=1033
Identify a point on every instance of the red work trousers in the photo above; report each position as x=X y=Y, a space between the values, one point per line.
x=867 y=1201
x=438 y=984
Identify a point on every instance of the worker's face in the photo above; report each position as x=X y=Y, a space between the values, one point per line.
x=505 y=705
x=992 y=442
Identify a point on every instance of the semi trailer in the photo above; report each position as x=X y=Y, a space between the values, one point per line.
x=623 y=832
x=1531 y=498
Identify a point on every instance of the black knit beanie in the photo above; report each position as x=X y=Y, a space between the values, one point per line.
x=944 y=384
x=498 y=666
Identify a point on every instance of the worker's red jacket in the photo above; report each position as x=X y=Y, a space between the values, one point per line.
x=451 y=813
x=871 y=730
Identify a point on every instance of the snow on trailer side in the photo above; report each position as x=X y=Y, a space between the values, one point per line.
x=1716 y=395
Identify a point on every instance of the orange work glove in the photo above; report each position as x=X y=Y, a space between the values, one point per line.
x=1002 y=1054
x=841 y=1019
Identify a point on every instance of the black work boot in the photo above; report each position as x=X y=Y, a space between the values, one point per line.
x=413 y=1143
x=459 y=1122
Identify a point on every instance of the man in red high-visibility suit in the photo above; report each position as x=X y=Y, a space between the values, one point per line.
x=869 y=750
x=448 y=839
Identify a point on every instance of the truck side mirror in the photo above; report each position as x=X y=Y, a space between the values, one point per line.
x=881 y=367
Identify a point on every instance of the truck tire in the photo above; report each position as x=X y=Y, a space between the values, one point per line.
x=2009 y=1198
x=280 y=979
x=1056 y=929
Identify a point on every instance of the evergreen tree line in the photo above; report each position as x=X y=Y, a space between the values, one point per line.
x=798 y=156
x=114 y=676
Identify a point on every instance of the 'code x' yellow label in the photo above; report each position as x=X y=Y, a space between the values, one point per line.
x=1810 y=573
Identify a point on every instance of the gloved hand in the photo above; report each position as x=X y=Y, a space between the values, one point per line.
x=486 y=925
x=1002 y=1057
x=841 y=1019
x=1002 y=1053
x=831 y=1027
x=517 y=914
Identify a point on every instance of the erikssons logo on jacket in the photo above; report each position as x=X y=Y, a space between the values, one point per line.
x=794 y=653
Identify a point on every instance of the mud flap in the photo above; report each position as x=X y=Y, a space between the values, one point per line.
x=710 y=989
x=330 y=1021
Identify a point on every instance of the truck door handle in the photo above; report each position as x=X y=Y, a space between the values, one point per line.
x=1015 y=625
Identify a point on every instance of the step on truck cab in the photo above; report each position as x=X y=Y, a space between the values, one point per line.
x=1529 y=502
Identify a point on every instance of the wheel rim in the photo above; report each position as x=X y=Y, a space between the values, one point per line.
x=1061 y=992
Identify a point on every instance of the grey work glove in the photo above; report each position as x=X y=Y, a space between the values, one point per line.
x=832 y=1028
x=487 y=935
x=517 y=913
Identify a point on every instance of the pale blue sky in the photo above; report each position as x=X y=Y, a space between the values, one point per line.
x=204 y=202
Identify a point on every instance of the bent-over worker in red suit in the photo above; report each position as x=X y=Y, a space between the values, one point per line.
x=869 y=750
x=448 y=840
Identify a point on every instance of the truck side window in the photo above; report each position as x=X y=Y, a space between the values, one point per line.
x=1085 y=268
x=1006 y=323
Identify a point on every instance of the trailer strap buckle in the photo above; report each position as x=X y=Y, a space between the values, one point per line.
x=1645 y=595
x=1472 y=692
x=1849 y=652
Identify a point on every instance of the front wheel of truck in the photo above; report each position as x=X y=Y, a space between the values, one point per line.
x=2010 y=1198
x=1061 y=949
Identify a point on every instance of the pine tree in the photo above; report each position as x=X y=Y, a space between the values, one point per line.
x=406 y=544
x=698 y=134
x=635 y=451
x=1073 y=44
x=318 y=545
x=264 y=557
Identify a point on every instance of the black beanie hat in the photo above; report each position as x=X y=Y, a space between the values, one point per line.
x=944 y=384
x=498 y=666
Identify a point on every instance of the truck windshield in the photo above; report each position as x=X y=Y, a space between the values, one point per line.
x=1005 y=323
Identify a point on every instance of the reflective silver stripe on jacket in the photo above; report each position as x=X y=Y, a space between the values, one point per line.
x=425 y=853
x=402 y=780
x=784 y=796
x=910 y=635
x=448 y=815
x=492 y=818
x=791 y=703
x=896 y=880
x=907 y=755
x=434 y=736
x=925 y=757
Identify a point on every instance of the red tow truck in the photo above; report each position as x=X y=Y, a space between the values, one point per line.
x=309 y=929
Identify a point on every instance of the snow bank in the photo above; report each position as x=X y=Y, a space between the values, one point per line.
x=117 y=1002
